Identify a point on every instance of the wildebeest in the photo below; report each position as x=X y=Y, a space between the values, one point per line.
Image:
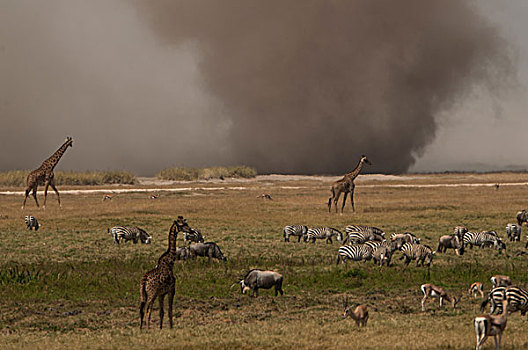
x=513 y=231
x=406 y=237
x=256 y=279
x=183 y=253
x=522 y=216
x=450 y=242
x=208 y=249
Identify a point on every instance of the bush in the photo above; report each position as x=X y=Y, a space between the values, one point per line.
x=189 y=174
x=18 y=178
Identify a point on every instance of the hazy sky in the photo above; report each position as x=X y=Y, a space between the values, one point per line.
x=297 y=86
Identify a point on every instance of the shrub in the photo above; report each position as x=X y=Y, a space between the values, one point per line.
x=189 y=174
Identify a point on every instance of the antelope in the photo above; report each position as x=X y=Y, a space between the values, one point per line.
x=432 y=291
x=486 y=325
x=108 y=196
x=500 y=280
x=475 y=288
x=360 y=313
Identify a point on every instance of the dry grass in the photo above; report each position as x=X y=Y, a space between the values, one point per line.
x=18 y=178
x=71 y=264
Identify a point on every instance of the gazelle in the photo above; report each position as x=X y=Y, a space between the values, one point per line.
x=475 y=288
x=432 y=291
x=108 y=196
x=486 y=325
x=501 y=281
x=360 y=313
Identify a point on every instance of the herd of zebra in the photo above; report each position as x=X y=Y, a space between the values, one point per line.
x=363 y=243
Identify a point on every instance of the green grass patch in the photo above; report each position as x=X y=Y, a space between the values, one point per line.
x=18 y=178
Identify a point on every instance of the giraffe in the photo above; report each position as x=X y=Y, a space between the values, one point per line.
x=44 y=175
x=160 y=281
x=346 y=185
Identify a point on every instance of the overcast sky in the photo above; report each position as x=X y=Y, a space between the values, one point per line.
x=300 y=89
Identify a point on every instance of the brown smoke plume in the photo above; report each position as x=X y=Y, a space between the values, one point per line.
x=310 y=85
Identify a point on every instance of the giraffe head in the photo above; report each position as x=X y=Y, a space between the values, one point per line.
x=364 y=159
x=69 y=141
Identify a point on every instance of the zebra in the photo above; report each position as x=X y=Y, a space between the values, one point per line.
x=382 y=251
x=294 y=230
x=460 y=231
x=483 y=239
x=356 y=252
x=322 y=233
x=128 y=233
x=420 y=252
x=517 y=299
x=513 y=231
x=32 y=223
x=356 y=234
x=193 y=236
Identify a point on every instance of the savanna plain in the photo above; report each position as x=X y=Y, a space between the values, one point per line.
x=69 y=286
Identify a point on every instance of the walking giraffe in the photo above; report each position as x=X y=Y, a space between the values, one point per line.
x=346 y=186
x=44 y=175
x=160 y=281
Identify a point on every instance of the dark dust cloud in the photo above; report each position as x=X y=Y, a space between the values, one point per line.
x=286 y=86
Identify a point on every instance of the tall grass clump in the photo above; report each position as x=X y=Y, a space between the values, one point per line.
x=18 y=178
x=189 y=174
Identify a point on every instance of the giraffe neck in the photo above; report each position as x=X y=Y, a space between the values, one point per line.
x=52 y=161
x=354 y=173
x=169 y=256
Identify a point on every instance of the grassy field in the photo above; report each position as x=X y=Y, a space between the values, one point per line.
x=68 y=285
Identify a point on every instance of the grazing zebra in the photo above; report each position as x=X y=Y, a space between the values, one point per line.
x=356 y=234
x=193 y=236
x=128 y=233
x=522 y=216
x=322 y=233
x=294 y=230
x=460 y=231
x=483 y=239
x=382 y=251
x=513 y=231
x=420 y=252
x=495 y=298
x=31 y=222
x=356 y=252
x=517 y=299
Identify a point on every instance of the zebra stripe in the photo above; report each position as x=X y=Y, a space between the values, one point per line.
x=495 y=298
x=322 y=233
x=356 y=234
x=294 y=230
x=517 y=299
x=31 y=222
x=483 y=239
x=128 y=233
x=355 y=252
x=418 y=252
x=193 y=236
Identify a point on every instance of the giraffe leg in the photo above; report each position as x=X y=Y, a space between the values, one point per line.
x=34 y=194
x=150 y=302
x=25 y=197
x=344 y=201
x=45 y=193
x=171 y=301
x=161 y=300
x=336 y=200
x=352 y=199
x=57 y=192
